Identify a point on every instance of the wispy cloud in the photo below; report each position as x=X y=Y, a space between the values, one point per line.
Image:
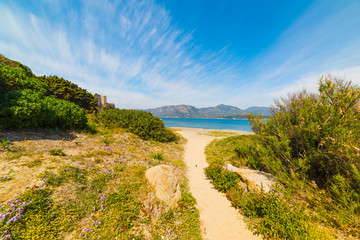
x=131 y=51
x=128 y=49
x=324 y=40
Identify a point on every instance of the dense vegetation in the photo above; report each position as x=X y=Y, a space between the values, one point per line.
x=24 y=102
x=31 y=102
x=64 y=89
x=312 y=145
x=141 y=123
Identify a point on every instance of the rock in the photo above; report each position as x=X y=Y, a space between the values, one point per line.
x=165 y=184
x=254 y=179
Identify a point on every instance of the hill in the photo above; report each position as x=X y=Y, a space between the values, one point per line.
x=220 y=111
x=265 y=111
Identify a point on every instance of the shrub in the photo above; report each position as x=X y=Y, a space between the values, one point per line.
x=223 y=180
x=4 y=144
x=141 y=123
x=311 y=142
x=158 y=156
x=23 y=103
x=315 y=136
x=64 y=89
x=18 y=78
x=29 y=109
x=56 y=152
x=15 y=64
x=277 y=219
x=312 y=145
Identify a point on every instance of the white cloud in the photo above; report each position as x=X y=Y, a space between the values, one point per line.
x=128 y=49
x=310 y=83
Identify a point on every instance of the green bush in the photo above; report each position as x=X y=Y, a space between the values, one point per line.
x=223 y=180
x=15 y=64
x=29 y=109
x=64 y=89
x=18 y=78
x=141 y=123
x=314 y=136
x=277 y=218
x=23 y=103
x=311 y=144
x=56 y=152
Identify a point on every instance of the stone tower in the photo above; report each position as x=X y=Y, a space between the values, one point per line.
x=102 y=101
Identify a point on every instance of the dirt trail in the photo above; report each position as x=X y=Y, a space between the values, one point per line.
x=219 y=220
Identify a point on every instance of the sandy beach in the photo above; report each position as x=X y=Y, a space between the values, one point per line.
x=219 y=220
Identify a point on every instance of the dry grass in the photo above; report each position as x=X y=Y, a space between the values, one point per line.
x=122 y=154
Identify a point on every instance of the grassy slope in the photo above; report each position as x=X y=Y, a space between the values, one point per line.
x=96 y=191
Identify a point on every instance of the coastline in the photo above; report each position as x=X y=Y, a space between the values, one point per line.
x=210 y=130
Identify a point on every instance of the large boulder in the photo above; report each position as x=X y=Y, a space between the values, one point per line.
x=165 y=183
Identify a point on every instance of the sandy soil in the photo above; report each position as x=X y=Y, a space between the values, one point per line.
x=219 y=220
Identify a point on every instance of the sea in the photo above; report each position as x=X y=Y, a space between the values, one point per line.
x=220 y=124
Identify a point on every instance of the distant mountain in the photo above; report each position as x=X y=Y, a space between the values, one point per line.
x=178 y=111
x=265 y=111
x=220 y=111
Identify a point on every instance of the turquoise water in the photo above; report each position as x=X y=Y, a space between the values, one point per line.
x=229 y=124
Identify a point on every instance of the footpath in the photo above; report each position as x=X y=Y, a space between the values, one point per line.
x=220 y=221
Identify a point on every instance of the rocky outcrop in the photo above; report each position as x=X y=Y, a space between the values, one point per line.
x=165 y=184
x=254 y=179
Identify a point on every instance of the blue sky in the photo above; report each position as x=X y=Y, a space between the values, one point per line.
x=151 y=53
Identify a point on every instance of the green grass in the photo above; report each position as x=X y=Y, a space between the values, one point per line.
x=33 y=163
x=5 y=178
x=158 y=156
x=57 y=152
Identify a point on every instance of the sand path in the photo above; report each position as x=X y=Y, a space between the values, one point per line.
x=219 y=220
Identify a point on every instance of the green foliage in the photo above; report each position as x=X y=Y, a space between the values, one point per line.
x=313 y=136
x=141 y=123
x=158 y=156
x=275 y=217
x=18 y=78
x=23 y=103
x=223 y=180
x=15 y=64
x=4 y=144
x=29 y=109
x=56 y=152
x=64 y=89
